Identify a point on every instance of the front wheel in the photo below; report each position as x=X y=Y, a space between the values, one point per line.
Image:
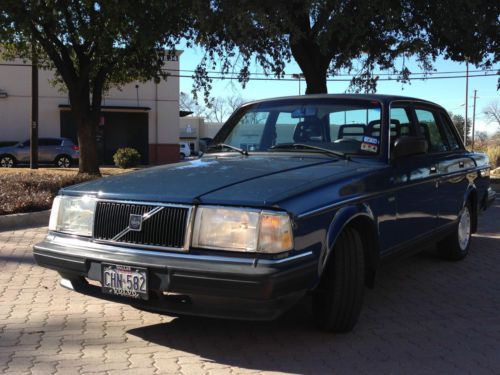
x=63 y=161
x=338 y=299
x=456 y=245
x=7 y=161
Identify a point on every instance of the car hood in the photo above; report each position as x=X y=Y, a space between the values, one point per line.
x=236 y=180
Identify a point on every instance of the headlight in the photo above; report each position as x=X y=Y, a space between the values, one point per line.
x=74 y=215
x=242 y=230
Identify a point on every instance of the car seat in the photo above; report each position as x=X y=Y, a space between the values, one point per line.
x=309 y=130
x=353 y=131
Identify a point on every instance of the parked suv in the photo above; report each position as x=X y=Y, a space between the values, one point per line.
x=59 y=151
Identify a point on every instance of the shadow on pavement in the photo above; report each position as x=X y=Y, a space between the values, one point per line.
x=423 y=309
x=25 y=259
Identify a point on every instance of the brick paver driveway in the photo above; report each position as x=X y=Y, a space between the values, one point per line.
x=424 y=316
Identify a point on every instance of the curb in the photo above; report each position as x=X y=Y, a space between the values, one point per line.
x=24 y=220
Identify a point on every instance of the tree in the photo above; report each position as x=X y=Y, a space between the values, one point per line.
x=93 y=45
x=459 y=122
x=217 y=110
x=326 y=36
x=220 y=108
x=492 y=112
x=481 y=137
x=189 y=104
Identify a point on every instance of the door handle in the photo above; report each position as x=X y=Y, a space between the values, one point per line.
x=461 y=164
x=433 y=169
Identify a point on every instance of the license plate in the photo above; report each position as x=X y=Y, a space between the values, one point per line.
x=127 y=281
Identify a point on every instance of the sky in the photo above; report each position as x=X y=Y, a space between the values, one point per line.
x=449 y=93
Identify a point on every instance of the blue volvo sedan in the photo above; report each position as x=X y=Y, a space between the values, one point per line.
x=296 y=196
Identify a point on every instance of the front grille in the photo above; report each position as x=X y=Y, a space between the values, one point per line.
x=166 y=228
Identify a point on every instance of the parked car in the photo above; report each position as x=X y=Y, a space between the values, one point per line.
x=59 y=151
x=185 y=150
x=8 y=143
x=295 y=196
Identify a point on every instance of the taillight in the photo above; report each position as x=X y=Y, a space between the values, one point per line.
x=75 y=148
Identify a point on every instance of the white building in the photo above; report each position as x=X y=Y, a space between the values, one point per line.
x=194 y=128
x=140 y=115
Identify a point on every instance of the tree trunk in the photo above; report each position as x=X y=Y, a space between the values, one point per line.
x=316 y=82
x=87 y=140
x=313 y=64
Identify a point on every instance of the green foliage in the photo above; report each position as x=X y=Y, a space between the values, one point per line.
x=459 y=122
x=93 y=46
x=325 y=37
x=127 y=157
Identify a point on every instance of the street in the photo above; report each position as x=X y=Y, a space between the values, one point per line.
x=425 y=316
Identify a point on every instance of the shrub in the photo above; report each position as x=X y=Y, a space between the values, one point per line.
x=493 y=152
x=27 y=192
x=127 y=157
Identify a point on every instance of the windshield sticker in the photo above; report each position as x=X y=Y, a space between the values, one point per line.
x=371 y=140
x=369 y=147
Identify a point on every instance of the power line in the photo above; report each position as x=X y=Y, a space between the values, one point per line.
x=336 y=80
x=235 y=75
x=338 y=75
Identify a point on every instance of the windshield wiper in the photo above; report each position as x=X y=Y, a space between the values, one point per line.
x=234 y=148
x=298 y=146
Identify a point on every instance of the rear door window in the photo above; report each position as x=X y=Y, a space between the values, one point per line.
x=450 y=132
x=431 y=128
x=400 y=122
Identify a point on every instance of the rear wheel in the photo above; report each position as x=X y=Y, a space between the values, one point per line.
x=7 y=161
x=456 y=245
x=338 y=299
x=182 y=156
x=63 y=161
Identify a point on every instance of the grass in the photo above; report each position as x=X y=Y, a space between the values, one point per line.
x=26 y=190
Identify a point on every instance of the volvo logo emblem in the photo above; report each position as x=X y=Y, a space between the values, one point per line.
x=135 y=222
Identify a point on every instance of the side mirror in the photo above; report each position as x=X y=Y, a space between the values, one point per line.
x=407 y=146
x=20 y=145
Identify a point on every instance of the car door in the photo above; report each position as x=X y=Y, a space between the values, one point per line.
x=43 y=149
x=453 y=168
x=23 y=152
x=414 y=182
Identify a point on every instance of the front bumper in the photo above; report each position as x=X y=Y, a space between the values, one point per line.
x=187 y=283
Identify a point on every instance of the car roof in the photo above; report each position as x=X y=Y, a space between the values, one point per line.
x=378 y=97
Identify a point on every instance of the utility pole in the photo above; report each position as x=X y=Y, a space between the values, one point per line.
x=34 y=108
x=466 y=100
x=474 y=118
x=298 y=76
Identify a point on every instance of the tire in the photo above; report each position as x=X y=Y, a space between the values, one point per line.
x=64 y=161
x=456 y=245
x=338 y=299
x=7 y=161
x=182 y=156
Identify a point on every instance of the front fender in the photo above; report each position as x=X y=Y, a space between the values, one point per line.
x=341 y=219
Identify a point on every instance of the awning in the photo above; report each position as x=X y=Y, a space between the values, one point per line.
x=113 y=108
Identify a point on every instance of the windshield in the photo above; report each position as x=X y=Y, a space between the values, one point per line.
x=343 y=126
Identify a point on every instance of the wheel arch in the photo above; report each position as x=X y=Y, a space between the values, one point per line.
x=472 y=198
x=361 y=218
x=61 y=155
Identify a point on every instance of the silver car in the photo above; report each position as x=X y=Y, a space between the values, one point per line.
x=59 y=151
